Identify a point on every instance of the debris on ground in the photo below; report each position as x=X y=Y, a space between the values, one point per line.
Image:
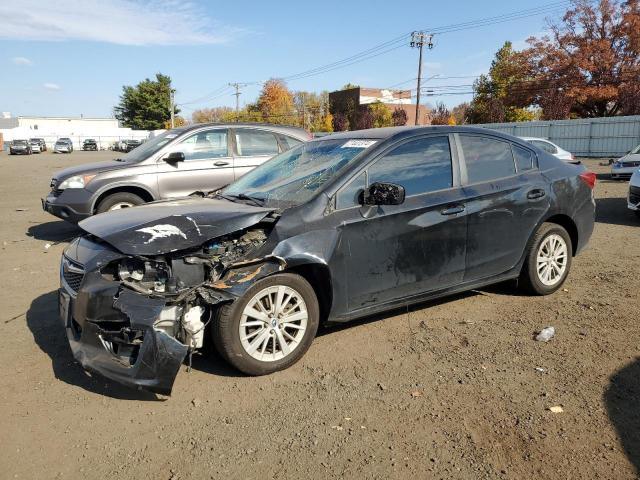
x=546 y=334
x=47 y=246
x=541 y=370
x=556 y=409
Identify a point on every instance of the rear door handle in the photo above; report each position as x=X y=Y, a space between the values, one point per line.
x=536 y=193
x=221 y=163
x=452 y=210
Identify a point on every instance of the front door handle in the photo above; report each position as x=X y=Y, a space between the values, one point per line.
x=221 y=163
x=536 y=193
x=452 y=210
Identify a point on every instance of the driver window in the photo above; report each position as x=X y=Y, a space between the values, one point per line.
x=420 y=166
x=204 y=145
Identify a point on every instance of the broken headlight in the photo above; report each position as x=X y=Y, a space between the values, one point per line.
x=144 y=274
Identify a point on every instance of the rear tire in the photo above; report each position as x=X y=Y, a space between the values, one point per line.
x=235 y=341
x=548 y=260
x=119 y=200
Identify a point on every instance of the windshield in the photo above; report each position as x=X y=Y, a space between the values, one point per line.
x=293 y=177
x=19 y=142
x=151 y=146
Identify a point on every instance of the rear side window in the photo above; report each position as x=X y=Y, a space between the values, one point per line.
x=420 y=166
x=290 y=142
x=546 y=146
x=486 y=158
x=255 y=142
x=523 y=158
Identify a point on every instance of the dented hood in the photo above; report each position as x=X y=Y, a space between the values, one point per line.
x=171 y=225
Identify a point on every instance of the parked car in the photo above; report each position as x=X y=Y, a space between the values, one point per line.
x=173 y=164
x=43 y=144
x=634 y=192
x=552 y=148
x=35 y=145
x=626 y=166
x=20 y=147
x=131 y=144
x=338 y=228
x=63 y=146
x=90 y=144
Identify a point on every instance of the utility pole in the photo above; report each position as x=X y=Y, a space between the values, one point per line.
x=418 y=39
x=172 y=106
x=237 y=94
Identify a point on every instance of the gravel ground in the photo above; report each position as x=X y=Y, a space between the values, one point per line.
x=451 y=389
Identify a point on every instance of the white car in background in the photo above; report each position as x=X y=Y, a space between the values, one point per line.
x=552 y=148
x=626 y=166
x=634 y=192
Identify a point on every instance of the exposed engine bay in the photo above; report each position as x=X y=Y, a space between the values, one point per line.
x=177 y=277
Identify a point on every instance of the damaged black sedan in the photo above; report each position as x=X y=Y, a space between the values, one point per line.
x=335 y=229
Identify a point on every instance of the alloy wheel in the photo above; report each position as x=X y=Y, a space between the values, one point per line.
x=120 y=205
x=273 y=323
x=552 y=258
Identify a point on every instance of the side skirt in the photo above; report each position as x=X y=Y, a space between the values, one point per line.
x=423 y=297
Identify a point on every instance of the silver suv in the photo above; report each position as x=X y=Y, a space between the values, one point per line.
x=176 y=163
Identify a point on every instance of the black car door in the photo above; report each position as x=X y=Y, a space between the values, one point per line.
x=397 y=251
x=504 y=203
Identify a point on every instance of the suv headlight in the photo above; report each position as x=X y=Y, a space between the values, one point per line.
x=77 y=181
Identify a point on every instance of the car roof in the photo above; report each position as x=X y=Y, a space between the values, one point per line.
x=391 y=132
x=297 y=131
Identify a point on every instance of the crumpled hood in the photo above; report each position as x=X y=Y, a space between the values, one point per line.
x=87 y=168
x=171 y=225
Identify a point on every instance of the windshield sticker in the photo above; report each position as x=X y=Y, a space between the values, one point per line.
x=358 y=144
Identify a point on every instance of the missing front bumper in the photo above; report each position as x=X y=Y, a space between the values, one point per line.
x=128 y=350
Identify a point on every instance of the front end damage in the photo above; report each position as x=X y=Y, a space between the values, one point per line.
x=135 y=318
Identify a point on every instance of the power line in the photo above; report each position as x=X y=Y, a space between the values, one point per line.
x=400 y=41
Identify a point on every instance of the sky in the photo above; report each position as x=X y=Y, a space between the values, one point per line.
x=72 y=57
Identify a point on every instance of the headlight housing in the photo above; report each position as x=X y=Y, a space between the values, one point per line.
x=77 y=181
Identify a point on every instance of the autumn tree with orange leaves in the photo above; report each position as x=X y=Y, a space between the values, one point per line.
x=588 y=65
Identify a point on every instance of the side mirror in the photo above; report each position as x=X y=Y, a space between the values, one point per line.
x=174 y=157
x=384 y=194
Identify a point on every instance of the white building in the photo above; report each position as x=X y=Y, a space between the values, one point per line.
x=105 y=131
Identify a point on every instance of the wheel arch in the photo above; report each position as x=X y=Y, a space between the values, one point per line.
x=566 y=222
x=142 y=192
x=319 y=277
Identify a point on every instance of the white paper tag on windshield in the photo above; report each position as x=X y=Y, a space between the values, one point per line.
x=358 y=144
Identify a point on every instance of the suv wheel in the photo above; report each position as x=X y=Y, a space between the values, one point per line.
x=119 y=200
x=270 y=327
x=548 y=260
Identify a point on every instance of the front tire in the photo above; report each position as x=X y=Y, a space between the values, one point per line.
x=270 y=327
x=548 y=260
x=119 y=200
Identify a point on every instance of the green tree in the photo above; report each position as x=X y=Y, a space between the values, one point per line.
x=501 y=95
x=145 y=106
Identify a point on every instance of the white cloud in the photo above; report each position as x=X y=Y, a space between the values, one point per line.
x=123 y=22
x=51 y=86
x=22 y=61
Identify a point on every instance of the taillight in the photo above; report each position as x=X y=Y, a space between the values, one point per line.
x=589 y=178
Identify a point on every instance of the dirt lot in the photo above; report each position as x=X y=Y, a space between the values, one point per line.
x=447 y=390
